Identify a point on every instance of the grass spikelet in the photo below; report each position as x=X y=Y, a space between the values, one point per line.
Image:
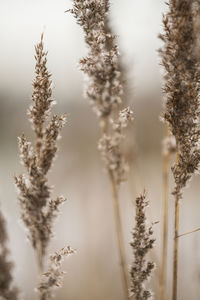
x=52 y=279
x=104 y=87
x=38 y=210
x=141 y=244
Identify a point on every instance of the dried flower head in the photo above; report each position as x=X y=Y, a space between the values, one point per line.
x=52 y=279
x=7 y=290
x=142 y=243
x=37 y=210
x=104 y=87
x=110 y=147
x=102 y=66
x=181 y=89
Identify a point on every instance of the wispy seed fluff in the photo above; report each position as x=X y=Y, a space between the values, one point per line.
x=182 y=85
x=52 y=279
x=141 y=244
x=7 y=290
x=104 y=87
x=38 y=210
x=110 y=147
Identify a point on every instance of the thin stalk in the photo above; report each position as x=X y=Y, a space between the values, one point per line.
x=39 y=258
x=119 y=233
x=176 y=233
x=40 y=267
x=165 y=183
x=118 y=224
x=188 y=232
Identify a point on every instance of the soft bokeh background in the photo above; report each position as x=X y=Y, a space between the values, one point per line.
x=86 y=222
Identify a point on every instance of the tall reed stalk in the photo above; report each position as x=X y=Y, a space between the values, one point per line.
x=168 y=148
x=38 y=210
x=119 y=233
x=117 y=217
x=141 y=244
x=165 y=227
x=104 y=90
x=181 y=90
x=176 y=233
x=109 y=146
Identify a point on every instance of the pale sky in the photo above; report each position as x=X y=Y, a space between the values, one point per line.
x=136 y=22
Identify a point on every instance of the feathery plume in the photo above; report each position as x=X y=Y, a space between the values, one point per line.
x=102 y=68
x=110 y=146
x=142 y=243
x=37 y=209
x=7 y=290
x=104 y=87
x=105 y=90
x=181 y=91
x=52 y=279
x=181 y=88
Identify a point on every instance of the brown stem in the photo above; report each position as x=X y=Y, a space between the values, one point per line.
x=119 y=234
x=39 y=258
x=165 y=175
x=176 y=233
x=118 y=224
x=40 y=266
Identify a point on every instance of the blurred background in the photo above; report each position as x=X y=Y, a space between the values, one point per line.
x=86 y=222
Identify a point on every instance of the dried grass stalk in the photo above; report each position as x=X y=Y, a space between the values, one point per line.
x=52 y=279
x=142 y=243
x=37 y=209
x=110 y=147
x=104 y=90
x=7 y=290
x=181 y=89
x=169 y=147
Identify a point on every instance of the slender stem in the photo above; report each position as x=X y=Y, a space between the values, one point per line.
x=39 y=258
x=118 y=224
x=188 y=232
x=165 y=175
x=119 y=234
x=176 y=233
x=40 y=266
